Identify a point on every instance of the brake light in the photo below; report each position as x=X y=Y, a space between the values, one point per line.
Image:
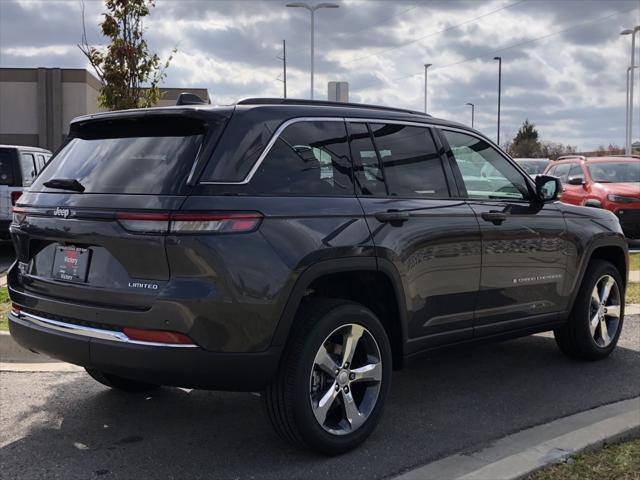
x=189 y=222
x=19 y=214
x=157 y=336
x=15 y=195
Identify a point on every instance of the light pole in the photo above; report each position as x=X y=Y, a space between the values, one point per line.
x=473 y=108
x=426 y=67
x=312 y=9
x=499 y=92
x=632 y=76
x=627 y=110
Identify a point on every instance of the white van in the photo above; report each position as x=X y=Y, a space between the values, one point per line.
x=19 y=166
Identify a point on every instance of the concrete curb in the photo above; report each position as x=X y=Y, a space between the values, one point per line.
x=518 y=455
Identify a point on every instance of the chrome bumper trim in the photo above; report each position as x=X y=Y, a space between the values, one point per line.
x=89 y=331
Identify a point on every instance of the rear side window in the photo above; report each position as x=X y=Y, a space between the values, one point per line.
x=369 y=175
x=308 y=158
x=29 y=172
x=411 y=164
x=6 y=167
x=134 y=156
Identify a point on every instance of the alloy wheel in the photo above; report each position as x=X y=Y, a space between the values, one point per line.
x=604 y=311
x=345 y=379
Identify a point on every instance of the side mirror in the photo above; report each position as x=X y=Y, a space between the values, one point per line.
x=576 y=180
x=547 y=188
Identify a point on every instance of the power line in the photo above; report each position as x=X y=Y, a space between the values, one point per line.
x=519 y=44
x=471 y=20
x=385 y=19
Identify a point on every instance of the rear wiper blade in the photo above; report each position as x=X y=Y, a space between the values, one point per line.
x=65 y=184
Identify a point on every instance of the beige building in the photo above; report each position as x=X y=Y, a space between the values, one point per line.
x=37 y=104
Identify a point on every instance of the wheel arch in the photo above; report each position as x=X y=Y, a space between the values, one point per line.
x=611 y=249
x=375 y=283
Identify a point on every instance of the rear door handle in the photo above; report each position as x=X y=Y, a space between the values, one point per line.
x=392 y=216
x=494 y=217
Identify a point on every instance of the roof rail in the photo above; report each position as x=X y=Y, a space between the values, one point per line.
x=633 y=155
x=567 y=157
x=295 y=101
x=187 y=98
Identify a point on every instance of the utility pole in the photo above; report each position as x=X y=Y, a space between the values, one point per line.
x=284 y=66
x=426 y=66
x=499 y=93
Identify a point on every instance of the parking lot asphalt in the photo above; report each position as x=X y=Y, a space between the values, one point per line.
x=65 y=425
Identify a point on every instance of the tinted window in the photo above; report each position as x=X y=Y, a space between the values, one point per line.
x=309 y=158
x=368 y=172
x=411 y=164
x=562 y=172
x=485 y=172
x=28 y=168
x=150 y=156
x=6 y=167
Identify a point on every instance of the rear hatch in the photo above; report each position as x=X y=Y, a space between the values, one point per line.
x=92 y=228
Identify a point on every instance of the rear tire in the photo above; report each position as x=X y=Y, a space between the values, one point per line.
x=594 y=326
x=334 y=376
x=120 y=383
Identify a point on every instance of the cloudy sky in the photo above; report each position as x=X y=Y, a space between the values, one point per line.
x=564 y=61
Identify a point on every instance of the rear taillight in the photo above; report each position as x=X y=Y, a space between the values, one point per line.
x=214 y=222
x=157 y=336
x=19 y=214
x=15 y=195
x=189 y=222
x=144 y=222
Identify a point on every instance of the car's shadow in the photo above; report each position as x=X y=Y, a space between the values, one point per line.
x=439 y=405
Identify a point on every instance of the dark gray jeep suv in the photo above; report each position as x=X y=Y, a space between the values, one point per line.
x=300 y=249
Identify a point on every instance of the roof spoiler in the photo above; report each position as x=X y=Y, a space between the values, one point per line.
x=186 y=98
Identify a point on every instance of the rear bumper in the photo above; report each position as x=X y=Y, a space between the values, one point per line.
x=181 y=367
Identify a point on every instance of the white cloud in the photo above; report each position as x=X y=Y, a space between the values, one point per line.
x=571 y=84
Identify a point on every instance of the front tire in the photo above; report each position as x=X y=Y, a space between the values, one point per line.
x=120 y=383
x=334 y=377
x=595 y=323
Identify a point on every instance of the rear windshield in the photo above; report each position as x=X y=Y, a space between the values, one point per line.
x=129 y=157
x=6 y=167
